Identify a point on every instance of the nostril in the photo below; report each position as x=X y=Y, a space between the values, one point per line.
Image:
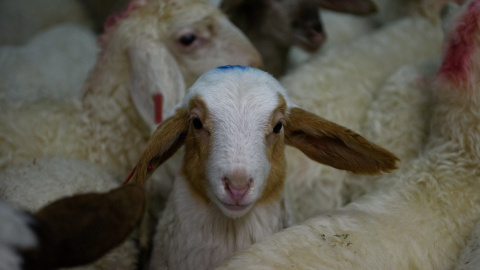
x=237 y=191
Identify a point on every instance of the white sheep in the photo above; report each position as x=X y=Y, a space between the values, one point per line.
x=53 y=64
x=70 y=231
x=234 y=122
x=418 y=217
x=154 y=51
x=469 y=257
x=341 y=91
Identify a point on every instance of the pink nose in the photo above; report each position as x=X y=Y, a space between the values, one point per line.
x=237 y=185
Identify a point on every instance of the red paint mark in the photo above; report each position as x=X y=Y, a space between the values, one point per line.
x=113 y=19
x=149 y=168
x=461 y=45
x=158 y=104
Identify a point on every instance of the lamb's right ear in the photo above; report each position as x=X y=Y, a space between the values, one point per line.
x=164 y=142
x=80 y=229
x=357 y=7
x=334 y=145
x=156 y=83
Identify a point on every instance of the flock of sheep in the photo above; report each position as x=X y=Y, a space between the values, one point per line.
x=171 y=91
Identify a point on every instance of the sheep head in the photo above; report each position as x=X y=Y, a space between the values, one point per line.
x=234 y=123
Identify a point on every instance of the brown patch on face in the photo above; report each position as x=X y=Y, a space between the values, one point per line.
x=197 y=148
x=274 y=148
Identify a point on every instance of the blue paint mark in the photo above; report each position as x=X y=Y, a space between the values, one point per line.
x=233 y=67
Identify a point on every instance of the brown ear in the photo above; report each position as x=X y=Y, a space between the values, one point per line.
x=334 y=145
x=164 y=142
x=357 y=7
x=80 y=229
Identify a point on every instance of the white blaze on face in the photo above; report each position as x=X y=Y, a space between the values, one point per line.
x=240 y=105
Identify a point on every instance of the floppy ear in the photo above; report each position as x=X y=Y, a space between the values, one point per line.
x=80 y=229
x=334 y=145
x=164 y=142
x=156 y=83
x=357 y=7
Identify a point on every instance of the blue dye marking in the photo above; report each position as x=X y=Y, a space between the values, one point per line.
x=233 y=67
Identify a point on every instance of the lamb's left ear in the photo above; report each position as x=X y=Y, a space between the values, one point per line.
x=80 y=229
x=334 y=145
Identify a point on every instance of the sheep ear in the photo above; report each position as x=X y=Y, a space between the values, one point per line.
x=357 y=7
x=80 y=229
x=156 y=83
x=164 y=142
x=334 y=145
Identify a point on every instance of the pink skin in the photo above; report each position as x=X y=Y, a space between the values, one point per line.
x=236 y=184
x=461 y=45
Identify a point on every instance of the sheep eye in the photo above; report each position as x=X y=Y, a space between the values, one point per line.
x=277 y=127
x=197 y=124
x=187 y=39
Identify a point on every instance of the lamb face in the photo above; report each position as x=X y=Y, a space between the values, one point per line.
x=237 y=125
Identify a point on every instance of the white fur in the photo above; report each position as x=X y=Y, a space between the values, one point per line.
x=418 y=217
x=15 y=234
x=204 y=233
x=54 y=64
x=239 y=104
x=339 y=84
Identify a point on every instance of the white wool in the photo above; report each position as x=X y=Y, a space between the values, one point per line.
x=205 y=233
x=470 y=257
x=53 y=64
x=418 y=217
x=339 y=84
x=38 y=182
x=15 y=234
x=20 y=20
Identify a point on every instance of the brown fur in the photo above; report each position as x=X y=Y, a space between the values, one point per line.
x=334 y=145
x=79 y=229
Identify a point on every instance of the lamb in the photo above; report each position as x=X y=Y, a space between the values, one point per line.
x=187 y=36
x=275 y=26
x=341 y=91
x=67 y=233
x=418 y=217
x=234 y=122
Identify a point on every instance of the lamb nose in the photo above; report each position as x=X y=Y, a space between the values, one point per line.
x=237 y=194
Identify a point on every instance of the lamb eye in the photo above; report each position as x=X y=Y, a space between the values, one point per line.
x=187 y=39
x=197 y=124
x=277 y=127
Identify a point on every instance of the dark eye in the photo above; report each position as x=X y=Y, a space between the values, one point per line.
x=197 y=124
x=277 y=127
x=187 y=39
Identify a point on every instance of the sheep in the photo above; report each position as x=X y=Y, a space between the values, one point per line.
x=70 y=231
x=341 y=91
x=418 y=217
x=53 y=64
x=234 y=122
x=106 y=126
x=34 y=184
x=275 y=26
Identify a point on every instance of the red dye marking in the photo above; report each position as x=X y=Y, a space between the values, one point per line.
x=461 y=45
x=158 y=104
x=113 y=19
x=149 y=167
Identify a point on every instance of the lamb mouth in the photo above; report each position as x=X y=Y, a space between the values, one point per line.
x=313 y=42
x=235 y=207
